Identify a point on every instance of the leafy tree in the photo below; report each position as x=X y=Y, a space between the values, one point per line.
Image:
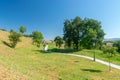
x=67 y=33
x=14 y=38
x=83 y=33
x=76 y=30
x=37 y=38
x=72 y=32
x=110 y=52
x=22 y=29
x=92 y=33
x=59 y=41
x=117 y=44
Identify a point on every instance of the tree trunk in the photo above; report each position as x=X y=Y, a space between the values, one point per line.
x=109 y=65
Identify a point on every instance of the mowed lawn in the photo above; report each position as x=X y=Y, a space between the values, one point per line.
x=27 y=62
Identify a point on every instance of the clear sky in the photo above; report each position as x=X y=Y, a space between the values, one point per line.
x=48 y=16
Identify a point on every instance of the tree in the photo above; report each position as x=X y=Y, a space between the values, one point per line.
x=83 y=33
x=14 y=38
x=37 y=38
x=67 y=33
x=110 y=52
x=92 y=33
x=76 y=29
x=59 y=41
x=72 y=32
x=22 y=29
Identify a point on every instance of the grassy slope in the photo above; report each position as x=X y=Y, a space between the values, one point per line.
x=26 y=62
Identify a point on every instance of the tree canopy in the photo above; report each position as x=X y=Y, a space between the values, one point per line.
x=59 y=41
x=14 y=38
x=37 y=38
x=110 y=52
x=78 y=32
x=22 y=29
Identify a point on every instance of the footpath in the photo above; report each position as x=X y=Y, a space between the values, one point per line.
x=97 y=60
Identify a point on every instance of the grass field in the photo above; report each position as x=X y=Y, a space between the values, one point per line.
x=27 y=62
x=100 y=55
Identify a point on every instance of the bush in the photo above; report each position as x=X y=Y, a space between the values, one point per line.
x=22 y=29
x=14 y=38
x=37 y=38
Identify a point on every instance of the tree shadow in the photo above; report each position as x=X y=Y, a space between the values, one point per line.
x=7 y=44
x=42 y=51
x=91 y=70
x=56 y=50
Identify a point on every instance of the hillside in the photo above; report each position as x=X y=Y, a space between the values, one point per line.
x=27 y=62
x=7 y=53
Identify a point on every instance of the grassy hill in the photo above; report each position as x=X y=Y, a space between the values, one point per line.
x=27 y=62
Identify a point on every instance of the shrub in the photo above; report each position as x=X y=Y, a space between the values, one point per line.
x=14 y=38
x=37 y=38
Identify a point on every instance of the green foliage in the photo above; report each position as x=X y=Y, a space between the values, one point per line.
x=67 y=33
x=92 y=33
x=59 y=41
x=14 y=38
x=78 y=32
x=37 y=38
x=72 y=30
x=22 y=29
x=117 y=44
x=110 y=52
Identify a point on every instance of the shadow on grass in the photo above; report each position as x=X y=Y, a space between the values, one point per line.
x=56 y=50
x=42 y=51
x=91 y=70
x=7 y=44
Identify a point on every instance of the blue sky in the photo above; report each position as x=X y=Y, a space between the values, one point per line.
x=48 y=16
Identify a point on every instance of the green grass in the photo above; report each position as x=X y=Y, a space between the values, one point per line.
x=46 y=66
x=34 y=65
x=27 y=62
x=100 y=55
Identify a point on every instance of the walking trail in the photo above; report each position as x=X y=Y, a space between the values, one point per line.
x=97 y=60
